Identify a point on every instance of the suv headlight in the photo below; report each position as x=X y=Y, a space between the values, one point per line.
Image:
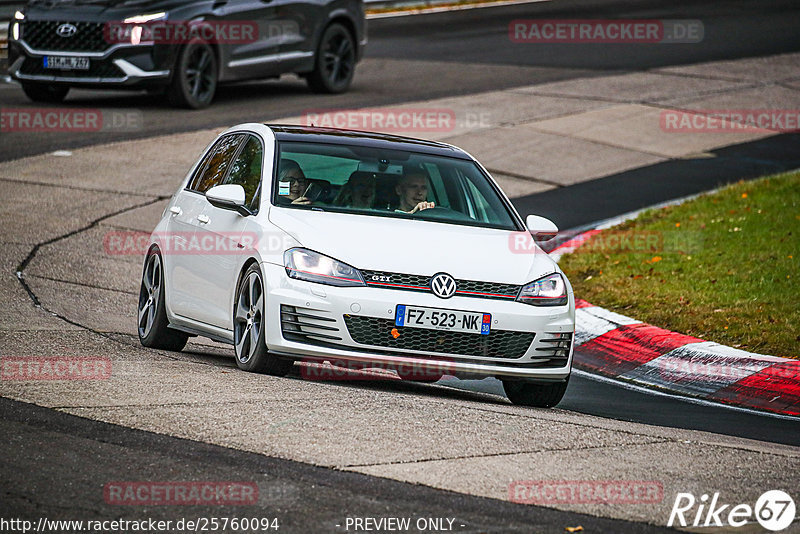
x=304 y=264
x=550 y=290
x=19 y=16
x=136 y=30
x=142 y=19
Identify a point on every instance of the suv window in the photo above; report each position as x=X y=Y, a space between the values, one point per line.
x=215 y=166
x=246 y=171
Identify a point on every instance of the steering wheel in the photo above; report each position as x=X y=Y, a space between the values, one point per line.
x=439 y=212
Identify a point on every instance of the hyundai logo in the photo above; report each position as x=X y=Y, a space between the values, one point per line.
x=443 y=285
x=67 y=30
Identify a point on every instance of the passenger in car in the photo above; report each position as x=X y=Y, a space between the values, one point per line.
x=358 y=192
x=292 y=183
x=412 y=191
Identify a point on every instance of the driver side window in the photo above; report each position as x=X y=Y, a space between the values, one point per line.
x=246 y=171
x=216 y=163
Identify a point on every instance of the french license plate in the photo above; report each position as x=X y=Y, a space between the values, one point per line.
x=436 y=319
x=66 y=62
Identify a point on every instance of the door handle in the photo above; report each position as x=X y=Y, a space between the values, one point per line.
x=175 y=210
x=204 y=219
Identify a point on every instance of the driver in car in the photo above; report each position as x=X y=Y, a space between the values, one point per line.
x=412 y=191
x=290 y=171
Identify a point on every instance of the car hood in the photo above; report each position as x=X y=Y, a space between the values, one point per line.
x=417 y=247
x=91 y=10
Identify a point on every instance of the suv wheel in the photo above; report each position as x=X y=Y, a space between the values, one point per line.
x=39 y=92
x=194 y=80
x=537 y=395
x=335 y=62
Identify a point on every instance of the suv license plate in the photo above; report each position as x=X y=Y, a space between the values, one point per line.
x=66 y=62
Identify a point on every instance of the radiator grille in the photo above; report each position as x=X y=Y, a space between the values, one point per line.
x=42 y=35
x=497 y=344
x=415 y=282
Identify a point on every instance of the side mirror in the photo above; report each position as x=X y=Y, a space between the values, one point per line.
x=228 y=197
x=542 y=229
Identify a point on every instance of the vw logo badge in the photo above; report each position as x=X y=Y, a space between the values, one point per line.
x=67 y=30
x=443 y=285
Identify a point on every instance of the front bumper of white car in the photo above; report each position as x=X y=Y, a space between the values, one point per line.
x=309 y=321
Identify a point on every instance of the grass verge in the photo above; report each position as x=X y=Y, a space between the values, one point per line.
x=722 y=267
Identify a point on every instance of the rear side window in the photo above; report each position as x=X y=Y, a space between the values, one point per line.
x=246 y=171
x=215 y=165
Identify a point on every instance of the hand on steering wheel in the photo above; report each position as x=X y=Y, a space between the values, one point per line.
x=423 y=206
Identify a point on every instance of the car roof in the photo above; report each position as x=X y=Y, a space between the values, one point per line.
x=366 y=139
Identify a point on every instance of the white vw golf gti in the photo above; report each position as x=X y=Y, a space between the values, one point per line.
x=359 y=249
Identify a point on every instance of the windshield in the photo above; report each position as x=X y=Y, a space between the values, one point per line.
x=387 y=183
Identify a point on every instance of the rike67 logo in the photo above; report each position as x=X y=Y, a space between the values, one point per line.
x=774 y=510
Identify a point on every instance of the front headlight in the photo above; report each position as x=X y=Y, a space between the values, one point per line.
x=548 y=291
x=304 y=264
x=18 y=16
x=133 y=28
x=142 y=19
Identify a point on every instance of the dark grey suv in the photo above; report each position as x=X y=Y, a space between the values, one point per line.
x=183 y=48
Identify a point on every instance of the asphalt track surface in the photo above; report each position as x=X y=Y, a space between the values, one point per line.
x=438 y=55
x=36 y=459
x=59 y=458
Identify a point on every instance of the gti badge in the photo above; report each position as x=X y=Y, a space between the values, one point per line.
x=67 y=30
x=443 y=285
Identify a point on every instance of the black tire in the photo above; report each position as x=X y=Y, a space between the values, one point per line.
x=152 y=324
x=39 y=92
x=335 y=62
x=194 y=77
x=249 y=328
x=536 y=395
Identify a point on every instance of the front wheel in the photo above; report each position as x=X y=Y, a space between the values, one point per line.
x=249 y=328
x=153 y=325
x=39 y=92
x=194 y=80
x=335 y=63
x=536 y=395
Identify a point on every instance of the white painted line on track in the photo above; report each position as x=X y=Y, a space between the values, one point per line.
x=442 y=9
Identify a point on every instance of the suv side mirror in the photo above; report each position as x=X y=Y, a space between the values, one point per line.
x=228 y=197
x=542 y=229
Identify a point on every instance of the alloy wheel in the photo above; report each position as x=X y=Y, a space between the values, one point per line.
x=149 y=295
x=200 y=75
x=249 y=318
